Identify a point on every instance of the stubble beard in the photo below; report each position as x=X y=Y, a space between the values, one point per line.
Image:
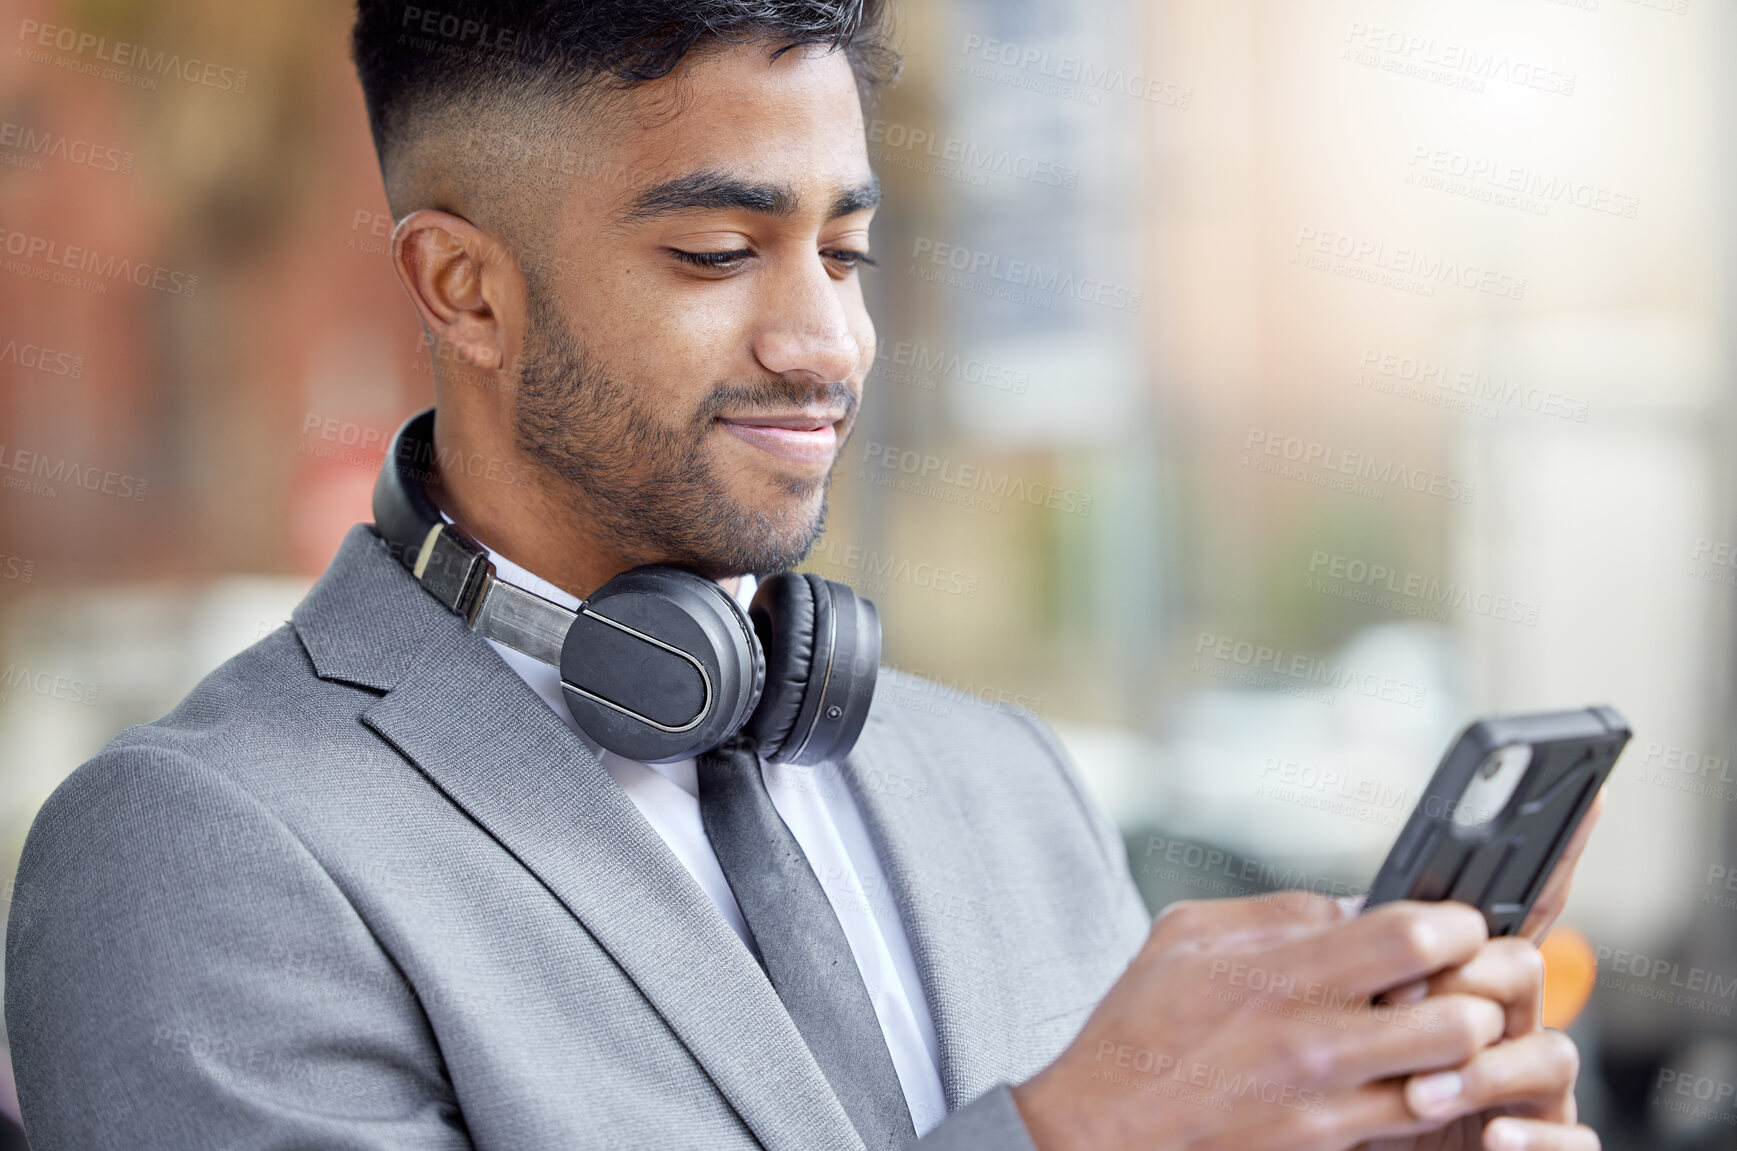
x=651 y=486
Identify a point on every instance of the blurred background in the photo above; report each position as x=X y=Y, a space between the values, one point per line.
x=1265 y=390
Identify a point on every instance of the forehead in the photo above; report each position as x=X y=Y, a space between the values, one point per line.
x=795 y=120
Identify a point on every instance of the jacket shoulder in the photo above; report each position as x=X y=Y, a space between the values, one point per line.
x=156 y=966
x=996 y=754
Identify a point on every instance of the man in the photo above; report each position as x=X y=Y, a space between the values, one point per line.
x=370 y=887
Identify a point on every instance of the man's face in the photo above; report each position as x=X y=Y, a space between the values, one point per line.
x=695 y=349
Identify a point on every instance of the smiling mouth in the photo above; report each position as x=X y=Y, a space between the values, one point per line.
x=803 y=438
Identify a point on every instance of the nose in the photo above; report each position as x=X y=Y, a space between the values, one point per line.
x=806 y=328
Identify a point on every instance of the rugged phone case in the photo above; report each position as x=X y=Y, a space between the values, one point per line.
x=1500 y=866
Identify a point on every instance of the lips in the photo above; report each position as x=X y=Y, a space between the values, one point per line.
x=802 y=438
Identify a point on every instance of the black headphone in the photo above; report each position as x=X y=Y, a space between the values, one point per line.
x=660 y=663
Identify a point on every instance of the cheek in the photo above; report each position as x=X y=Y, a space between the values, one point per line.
x=674 y=345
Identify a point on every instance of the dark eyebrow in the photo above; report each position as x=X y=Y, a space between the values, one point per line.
x=714 y=191
x=857 y=199
x=708 y=192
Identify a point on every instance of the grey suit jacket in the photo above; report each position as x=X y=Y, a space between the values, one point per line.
x=362 y=889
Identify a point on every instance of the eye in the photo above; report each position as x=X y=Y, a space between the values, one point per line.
x=849 y=258
x=713 y=261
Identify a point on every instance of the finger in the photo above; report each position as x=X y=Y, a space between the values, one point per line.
x=1408 y=993
x=1508 y=1134
x=1369 y=1115
x=1508 y=970
x=1554 y=897
x=1386 y=1041
x=1385 y=948
x=1533 y=1076
x=1249 y=922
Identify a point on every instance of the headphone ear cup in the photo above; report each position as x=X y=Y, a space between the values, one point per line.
x=823 y=647
x=661 y=664
x=783 y=614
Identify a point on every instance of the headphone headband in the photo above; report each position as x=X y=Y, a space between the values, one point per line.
x=450 y=565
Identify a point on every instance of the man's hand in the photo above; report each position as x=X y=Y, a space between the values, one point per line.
x=1543 y=1117
x=1555 y=894
x=1518 y=1093
x=1260 y=1023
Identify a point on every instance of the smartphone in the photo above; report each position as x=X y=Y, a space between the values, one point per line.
x=1499 y=811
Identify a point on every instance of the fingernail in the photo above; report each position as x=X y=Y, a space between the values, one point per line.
x=1430 y=1095
x=1501 y=1136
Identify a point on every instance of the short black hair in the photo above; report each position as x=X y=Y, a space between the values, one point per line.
x=415 y=57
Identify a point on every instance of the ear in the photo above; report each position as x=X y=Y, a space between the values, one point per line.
x=465 y=284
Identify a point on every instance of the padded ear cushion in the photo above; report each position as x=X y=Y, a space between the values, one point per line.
x=785 y=619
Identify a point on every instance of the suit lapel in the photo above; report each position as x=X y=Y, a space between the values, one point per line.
x=494 y=748
x=944 y=899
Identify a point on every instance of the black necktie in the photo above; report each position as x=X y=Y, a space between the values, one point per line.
x=805 y=953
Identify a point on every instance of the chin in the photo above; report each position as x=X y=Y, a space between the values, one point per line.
x=784 y=528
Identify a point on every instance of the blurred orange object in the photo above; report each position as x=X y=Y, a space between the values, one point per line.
x=1570 y=970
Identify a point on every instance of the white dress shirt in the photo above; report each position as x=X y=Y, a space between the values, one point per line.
x=823 y=816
